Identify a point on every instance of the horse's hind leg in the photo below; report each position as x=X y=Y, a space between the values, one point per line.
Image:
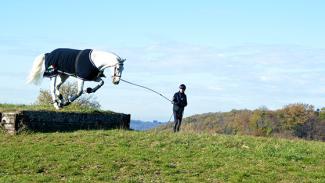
x=59 y=81
x=56 y=83
x=53 y=92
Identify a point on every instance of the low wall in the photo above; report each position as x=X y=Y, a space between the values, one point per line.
x=48 y=121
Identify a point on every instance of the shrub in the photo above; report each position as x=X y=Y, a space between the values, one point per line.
x=69 y=89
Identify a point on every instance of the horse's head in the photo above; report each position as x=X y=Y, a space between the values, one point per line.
x=118 y=69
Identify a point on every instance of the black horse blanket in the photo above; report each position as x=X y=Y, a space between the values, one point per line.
x=72 y=62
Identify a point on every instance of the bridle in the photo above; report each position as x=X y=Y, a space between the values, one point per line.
x=120 y=64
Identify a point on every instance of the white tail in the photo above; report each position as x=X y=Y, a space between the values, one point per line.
x=36 y=74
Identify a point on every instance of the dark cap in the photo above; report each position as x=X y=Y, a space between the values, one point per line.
x=182 y=86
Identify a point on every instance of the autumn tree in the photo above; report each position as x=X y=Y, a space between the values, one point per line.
x=296 y=114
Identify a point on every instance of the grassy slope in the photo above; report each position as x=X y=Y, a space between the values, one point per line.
x=129 y=156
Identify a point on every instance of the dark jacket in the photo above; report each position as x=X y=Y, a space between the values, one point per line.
x=180 y=101
x=72 y=62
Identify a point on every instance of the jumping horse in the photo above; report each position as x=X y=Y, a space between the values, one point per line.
x=85 y=65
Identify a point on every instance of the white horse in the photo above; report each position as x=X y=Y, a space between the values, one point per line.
x=85 y=65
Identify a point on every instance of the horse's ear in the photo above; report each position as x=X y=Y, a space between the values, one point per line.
x=122 y=60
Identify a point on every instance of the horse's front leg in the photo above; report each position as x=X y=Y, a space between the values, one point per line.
x=79 y=93
x=93 y=90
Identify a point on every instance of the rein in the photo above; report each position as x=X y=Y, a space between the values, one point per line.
x=146 y=88
x=141 y=86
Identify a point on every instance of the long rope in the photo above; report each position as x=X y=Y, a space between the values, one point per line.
x=147 y=89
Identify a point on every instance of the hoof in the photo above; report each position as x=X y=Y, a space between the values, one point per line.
x=66 y=103
x=57 y=106
x=89 y=90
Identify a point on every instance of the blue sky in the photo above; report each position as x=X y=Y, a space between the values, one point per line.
x=230 y=54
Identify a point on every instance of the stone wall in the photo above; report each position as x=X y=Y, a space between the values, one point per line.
x=48 y=121
x=8 y=122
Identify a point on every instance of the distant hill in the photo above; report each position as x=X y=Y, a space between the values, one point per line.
x=292 y=121
x=144 y=125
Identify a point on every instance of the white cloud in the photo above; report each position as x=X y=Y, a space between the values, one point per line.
x=216 y=88
x=257 y=73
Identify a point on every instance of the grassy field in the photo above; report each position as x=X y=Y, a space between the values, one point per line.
x=130 y=156
x=70 y=108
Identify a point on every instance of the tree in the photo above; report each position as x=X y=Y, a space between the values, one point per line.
x=296 y=114
x=262 y=122
x=69 y=89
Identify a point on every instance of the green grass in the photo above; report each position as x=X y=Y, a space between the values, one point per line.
x=130 y=156
x=70 y=108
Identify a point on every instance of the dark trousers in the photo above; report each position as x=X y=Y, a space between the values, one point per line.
x=178 y=121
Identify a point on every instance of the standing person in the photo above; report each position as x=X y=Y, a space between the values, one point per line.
x=179 y=102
